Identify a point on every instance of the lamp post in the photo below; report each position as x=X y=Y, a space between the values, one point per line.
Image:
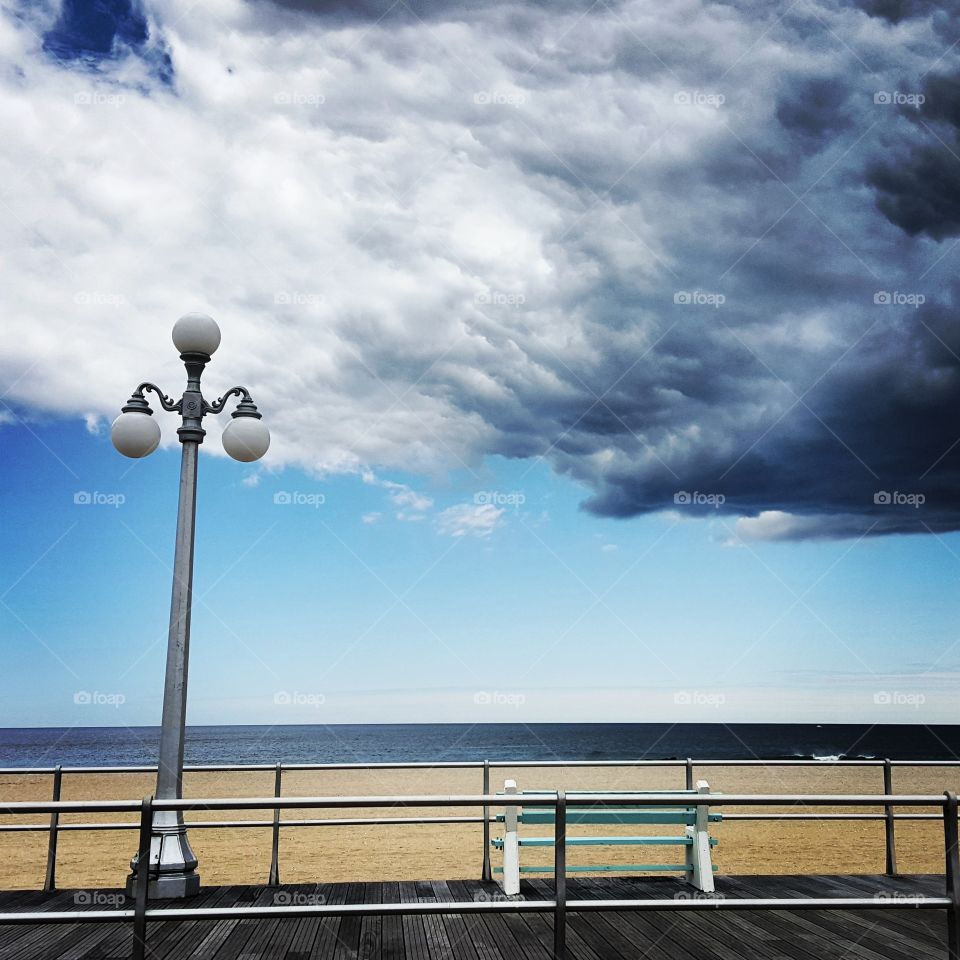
x=173 y=866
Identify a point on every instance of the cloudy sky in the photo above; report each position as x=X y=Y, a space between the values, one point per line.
x=609 y=352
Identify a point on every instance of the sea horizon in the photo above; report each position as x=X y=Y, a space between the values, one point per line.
x=500 y=742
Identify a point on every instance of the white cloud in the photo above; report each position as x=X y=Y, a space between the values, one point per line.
x=479 y=520
x=371 y=518
x=404 y=497
x=430 y=242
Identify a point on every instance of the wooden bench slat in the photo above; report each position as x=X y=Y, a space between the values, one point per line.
x=605 y=841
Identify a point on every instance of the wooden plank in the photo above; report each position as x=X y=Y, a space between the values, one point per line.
x=455 y=930
x=32 y=901
x=327 y=929
x=758 y=935
x=414 y=934
x=184 y=942
x=577 y=946
x=647 y=932
x=43 y=941
x=813 y=932
x=371 y=928
x=233 y=945
x=348 y=937
x=305 y=931
x=391 y=928
x=481 y=938
x=879 y=933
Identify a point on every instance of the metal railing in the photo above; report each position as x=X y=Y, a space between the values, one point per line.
x=889 y=816
x=141 y=914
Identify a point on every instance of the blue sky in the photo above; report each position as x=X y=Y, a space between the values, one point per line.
x=331 y=609
x=609 y=353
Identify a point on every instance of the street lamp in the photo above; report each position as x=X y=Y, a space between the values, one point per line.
x=173 y=866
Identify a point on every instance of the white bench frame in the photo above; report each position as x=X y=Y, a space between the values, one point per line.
x=697 y=853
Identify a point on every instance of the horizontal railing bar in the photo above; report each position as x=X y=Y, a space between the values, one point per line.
x=386 y=821
x=229 y=824
x=879 y=902
x=66 y=916
x=831 y=816
x=474 y=764
x=543 y=799
x=549 y=800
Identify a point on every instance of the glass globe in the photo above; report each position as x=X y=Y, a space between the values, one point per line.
x=196 y=333
x=246 y=439
x=135 y=434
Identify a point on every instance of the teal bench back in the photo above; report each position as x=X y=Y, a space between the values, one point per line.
x=610 y=815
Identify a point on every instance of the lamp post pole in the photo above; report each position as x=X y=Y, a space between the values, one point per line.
x=173 y=864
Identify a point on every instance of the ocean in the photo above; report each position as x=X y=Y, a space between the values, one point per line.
x=372 y=743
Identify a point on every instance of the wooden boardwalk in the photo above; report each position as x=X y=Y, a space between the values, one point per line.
x=896 y=934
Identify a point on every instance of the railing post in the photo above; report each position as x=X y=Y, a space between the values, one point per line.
x=50 y=882
x=143 y=880
x=689 y=780
x=889 y=820
x=274 y=879
x=953 y=874
x=560 y=876
x=486 y=873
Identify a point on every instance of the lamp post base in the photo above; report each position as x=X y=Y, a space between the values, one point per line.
x=173 y=867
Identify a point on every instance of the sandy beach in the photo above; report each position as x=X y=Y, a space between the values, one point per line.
x=407 y=852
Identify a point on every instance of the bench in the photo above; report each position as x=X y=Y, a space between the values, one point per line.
x=696 y=839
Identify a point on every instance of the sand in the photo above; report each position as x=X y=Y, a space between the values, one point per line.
x=408 y=852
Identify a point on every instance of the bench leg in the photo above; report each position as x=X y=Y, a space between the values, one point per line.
x=698 y=852
x=511 y=846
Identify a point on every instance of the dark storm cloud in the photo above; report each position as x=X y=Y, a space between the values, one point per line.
x=897 y=10
x=918 y=181
x=698 y=262
x=377 y=11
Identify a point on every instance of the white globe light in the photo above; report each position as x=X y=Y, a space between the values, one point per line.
x=135 y=435
x=196 y=333
x=246 y=439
